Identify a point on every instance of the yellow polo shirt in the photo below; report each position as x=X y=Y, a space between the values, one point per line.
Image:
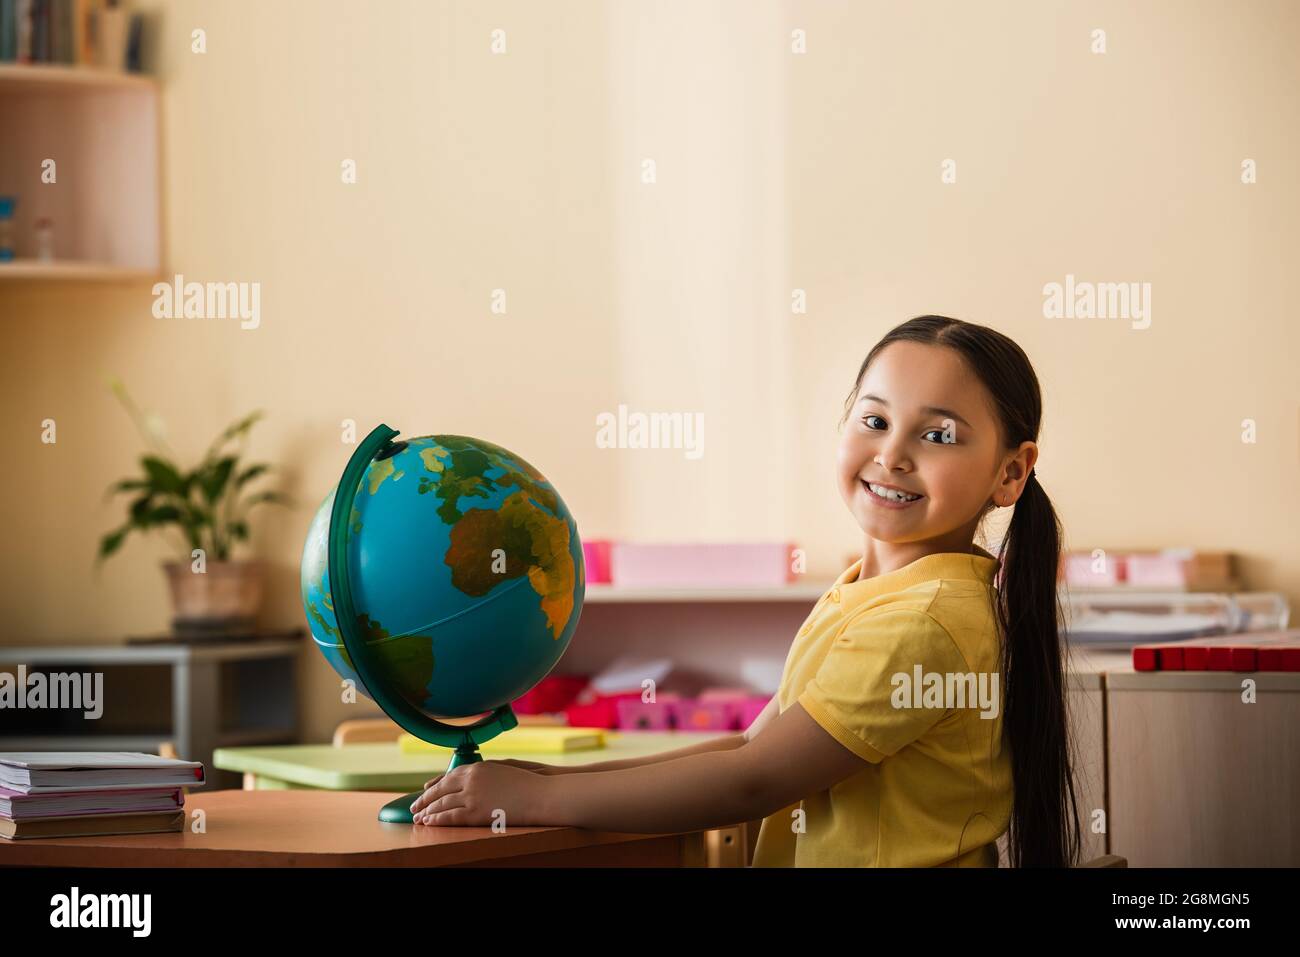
x=935 y=784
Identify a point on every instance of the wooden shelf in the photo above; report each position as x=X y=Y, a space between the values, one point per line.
x=601 y=593
x=48 y=77
x=71 y=269
x=100 y=129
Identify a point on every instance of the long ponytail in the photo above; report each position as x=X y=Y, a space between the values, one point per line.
x=1045 y=820
x=1044 y=828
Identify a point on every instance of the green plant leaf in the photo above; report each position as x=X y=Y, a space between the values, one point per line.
x=214 y=476
x=112 y=542
x=140 y=507
x=163 y=475
x=127 y=485
x=240 y=428
x=196 y=515
x=250 y=473
x=160 y=516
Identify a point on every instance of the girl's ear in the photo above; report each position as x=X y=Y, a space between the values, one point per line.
x=1015 y=473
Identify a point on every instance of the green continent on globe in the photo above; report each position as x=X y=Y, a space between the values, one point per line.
x=407 y=662
x=526 y=528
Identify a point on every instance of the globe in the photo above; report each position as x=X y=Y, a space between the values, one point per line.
x=443 y=576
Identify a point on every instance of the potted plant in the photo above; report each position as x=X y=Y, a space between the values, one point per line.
x=208 y=508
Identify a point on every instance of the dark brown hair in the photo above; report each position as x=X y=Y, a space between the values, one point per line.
x=1045 y=815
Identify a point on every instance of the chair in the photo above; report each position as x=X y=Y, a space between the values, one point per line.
x=365 y=731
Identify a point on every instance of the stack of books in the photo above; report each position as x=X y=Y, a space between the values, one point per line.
x=78 y=793
x=94 y=33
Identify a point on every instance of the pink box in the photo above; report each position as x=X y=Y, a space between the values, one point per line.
x=597 y=710
x=745 y=704
x=722 y=565
x=707 y=715
x=637 y=715
x=1156 y=570
x=1079 y=569
x=595 y=556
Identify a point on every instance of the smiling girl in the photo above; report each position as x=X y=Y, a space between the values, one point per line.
x=881 y=746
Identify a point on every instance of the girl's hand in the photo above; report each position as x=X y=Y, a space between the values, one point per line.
x=481 y=794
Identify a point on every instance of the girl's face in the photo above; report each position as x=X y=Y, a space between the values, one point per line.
x=921 y=423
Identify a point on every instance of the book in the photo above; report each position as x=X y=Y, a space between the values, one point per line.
x=23 y=31
x=526 y=740
x=50 y=772
x=8 y=30
x=18 y=806
x=151 y=823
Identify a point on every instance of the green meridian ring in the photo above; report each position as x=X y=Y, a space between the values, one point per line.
x=464 y=739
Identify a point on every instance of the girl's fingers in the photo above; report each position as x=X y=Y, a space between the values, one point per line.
x=444 y=803
x=447 y=784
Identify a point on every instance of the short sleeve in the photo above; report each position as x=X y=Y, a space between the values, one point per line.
x=862 y=694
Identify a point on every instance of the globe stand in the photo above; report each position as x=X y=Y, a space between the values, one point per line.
x=464 y=738
x=398 y=810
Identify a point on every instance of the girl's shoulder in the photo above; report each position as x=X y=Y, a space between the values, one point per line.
x=961 y=609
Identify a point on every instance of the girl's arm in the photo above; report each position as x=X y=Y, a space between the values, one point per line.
x=723 y=743
x=792 y=758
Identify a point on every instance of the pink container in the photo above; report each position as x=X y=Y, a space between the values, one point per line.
x=600 y=711
x=595 y=556
x=713 y=715
x=1079 y=569
x=637 y=715
x=1156 y=570
x=734 y=565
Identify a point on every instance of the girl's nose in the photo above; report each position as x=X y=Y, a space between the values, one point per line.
x=892 y=460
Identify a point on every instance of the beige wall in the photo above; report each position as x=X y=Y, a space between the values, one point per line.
x=774 y=171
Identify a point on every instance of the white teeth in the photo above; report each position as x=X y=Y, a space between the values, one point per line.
x=892 y=494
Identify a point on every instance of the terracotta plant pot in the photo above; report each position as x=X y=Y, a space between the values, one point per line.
x=225 y=597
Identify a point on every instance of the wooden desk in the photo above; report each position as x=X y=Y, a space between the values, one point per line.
x=340 y=829
x=385 y=767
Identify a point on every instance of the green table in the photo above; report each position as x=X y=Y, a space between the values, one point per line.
x=382 y=767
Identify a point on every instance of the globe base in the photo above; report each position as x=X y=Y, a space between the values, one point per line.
x=398 y=810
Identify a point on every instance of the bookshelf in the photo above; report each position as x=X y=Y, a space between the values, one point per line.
x=101 y=129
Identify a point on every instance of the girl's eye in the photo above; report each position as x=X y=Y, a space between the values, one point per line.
x=867 y=420
x=941 y=440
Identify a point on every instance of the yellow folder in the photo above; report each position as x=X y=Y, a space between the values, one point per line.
x=521 y=740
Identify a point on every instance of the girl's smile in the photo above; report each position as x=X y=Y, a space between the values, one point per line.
x=891 y=496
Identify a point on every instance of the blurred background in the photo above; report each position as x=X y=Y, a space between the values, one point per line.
x=712 y=208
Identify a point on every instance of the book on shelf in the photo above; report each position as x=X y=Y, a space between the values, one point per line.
x=87 y=33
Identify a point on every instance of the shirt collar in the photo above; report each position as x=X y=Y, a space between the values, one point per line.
x=849 y=592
